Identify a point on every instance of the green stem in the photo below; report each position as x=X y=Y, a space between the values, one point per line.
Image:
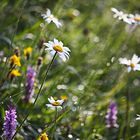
x=39 y=92
x=126 y=117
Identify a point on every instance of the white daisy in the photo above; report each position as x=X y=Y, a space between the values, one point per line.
x=131 y=64
x=50 y=18
x=118 y=14
x=57 y=46
x=138 y=117
x=55 y=104
x=135 y=19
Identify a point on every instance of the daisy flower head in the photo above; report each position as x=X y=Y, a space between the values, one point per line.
x=49 y=17
x=121 y=15
x=56 y=46
x=55 y=104
x=138 y=117
x=131 y=64
x=118 y=14
x=135 y=19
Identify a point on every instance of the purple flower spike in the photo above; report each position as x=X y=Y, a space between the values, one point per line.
x=111 y=117
x=30 y=80
x=10 y=123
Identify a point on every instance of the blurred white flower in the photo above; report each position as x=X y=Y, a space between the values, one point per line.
x=131 y=64
x=57 y=46
x=118 y=14
x=55 y=104
x=50 y=18
x=134 y=19
x=138 y=117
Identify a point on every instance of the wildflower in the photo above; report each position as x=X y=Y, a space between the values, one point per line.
x=14 y=73
x=118 y=14
x=131 y=64
x=55 y=104
x=138 y=117
x=111 y=116
x=43 y=136
x=50 y=18
x=64 y=97
x=10 y=123
x=27 y=52
x=30 y=80
x=57 y=46
x=15 y=60
x=134 y=19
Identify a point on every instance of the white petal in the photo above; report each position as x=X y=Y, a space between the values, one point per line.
x=51 y=106
x=124 y=61
x=62 y=56
x=129 y=69
x=135 y=59
x=137 y=67
x=48 y=12
x=67 y=49
x=60 y=101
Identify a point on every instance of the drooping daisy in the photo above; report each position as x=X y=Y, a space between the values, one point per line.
x=131 y=64
x=57 y=46
x=138 y=117
x=118 y=14
x=50 y=18
x=55 y=104
x=134 y=19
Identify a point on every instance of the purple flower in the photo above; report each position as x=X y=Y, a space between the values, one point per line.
x=111 y=116
x=30 y=79
x=10 y=122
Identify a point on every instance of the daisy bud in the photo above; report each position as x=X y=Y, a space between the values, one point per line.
x=17 y=51
x=39 y=61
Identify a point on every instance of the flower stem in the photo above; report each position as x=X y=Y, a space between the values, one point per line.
x=126 y=117
x=39 y=92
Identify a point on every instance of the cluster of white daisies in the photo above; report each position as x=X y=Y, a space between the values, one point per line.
x=55 y=47
x=127 y=18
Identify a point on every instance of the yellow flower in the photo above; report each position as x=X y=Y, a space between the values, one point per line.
x=64 y=97
x=27 y=51
x=15 y=60
x=14 y=73
x=43 y=136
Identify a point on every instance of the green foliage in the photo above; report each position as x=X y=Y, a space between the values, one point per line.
x=91 y=78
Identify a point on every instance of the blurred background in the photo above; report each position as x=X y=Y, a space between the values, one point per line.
x=88 y=81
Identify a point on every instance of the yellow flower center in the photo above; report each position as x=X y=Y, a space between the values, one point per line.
x=58 y=48
x=137 y=18
x=55 y=103
x=132 y=65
